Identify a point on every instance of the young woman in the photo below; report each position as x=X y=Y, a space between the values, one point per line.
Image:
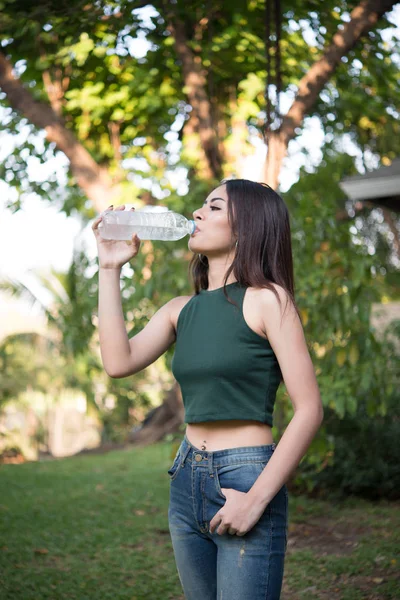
x=237 y=337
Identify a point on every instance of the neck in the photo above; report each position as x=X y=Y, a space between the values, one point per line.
x=217 y=268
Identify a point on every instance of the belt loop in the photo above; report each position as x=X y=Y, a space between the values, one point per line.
x=210 y=461
x=184 y=454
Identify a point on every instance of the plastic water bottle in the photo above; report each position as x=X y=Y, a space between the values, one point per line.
x=150 y=223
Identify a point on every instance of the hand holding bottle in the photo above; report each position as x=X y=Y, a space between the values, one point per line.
x=114 y=253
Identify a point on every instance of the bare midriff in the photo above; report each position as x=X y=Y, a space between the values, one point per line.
x=222 y=435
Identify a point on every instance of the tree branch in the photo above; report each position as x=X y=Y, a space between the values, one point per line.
x=53 y=88
x=94 y=181
x=363 y=17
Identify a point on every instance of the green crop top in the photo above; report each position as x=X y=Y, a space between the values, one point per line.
x=224 y=368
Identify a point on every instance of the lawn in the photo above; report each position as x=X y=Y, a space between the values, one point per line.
x=95 y=527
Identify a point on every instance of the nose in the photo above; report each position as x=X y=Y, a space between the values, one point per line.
x=196 y=214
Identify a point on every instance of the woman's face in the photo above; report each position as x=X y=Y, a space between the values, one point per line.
x=214 y=235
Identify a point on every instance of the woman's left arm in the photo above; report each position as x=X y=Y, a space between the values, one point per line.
x=286 y=337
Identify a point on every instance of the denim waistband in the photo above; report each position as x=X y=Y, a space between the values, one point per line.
x=221 y=458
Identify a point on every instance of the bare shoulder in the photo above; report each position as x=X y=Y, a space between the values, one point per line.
x=267 y=299
x=268 y=295
x=176 y=305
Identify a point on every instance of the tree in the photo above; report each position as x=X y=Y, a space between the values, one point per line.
x=84 y=90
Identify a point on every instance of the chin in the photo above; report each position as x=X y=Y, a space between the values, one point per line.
x=192 y=243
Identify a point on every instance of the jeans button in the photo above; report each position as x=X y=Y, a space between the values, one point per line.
x=197 y=457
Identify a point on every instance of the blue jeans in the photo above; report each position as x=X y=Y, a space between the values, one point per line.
x=224 y=567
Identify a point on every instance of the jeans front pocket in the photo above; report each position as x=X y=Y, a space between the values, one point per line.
x=238 y=476
x=174 y=469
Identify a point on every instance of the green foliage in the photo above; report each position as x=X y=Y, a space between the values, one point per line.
x=337 y=281
x=24 y=362
x=362 y=456
x=87 y=51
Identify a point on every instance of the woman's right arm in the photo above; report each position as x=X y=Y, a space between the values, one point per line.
x=114 y=342
x=120 y=355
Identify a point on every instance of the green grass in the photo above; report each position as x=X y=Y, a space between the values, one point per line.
x=96 y=527
x=347 y=550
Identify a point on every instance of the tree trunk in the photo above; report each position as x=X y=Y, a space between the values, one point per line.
x=195 y=82
x=277 y=148
x=167 y=418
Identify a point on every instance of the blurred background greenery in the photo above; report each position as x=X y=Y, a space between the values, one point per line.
x=154 y=104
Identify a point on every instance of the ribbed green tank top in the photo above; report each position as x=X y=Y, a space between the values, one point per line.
x=224 y=368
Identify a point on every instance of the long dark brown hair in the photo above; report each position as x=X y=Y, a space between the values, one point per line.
x=259 y=220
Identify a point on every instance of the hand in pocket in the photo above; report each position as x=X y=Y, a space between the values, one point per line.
x=238 y=515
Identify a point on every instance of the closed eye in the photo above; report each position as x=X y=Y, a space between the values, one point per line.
x=215 y=208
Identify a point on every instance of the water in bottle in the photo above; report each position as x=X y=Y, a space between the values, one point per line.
x=164 y=225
